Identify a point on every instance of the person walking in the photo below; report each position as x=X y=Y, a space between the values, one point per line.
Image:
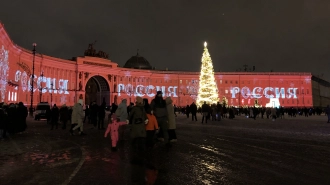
x=55 y=115
x=64 y=115
x=112 y=129
x=137 y=119
x=101 y=116
x=158 y=108
x=205 y=112
x=193 y=109
x=151 y=128
x=171 y=120
x=327 y=111
x=3 y=120
x=77 y=118
x=122 y=114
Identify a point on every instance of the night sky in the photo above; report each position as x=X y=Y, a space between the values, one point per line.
x=278 y=35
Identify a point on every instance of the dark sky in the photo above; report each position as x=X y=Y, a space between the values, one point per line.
x=283 y=35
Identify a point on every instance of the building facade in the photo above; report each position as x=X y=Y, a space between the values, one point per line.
x=93 y=77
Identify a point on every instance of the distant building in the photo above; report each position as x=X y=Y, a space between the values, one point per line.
x=94 y=77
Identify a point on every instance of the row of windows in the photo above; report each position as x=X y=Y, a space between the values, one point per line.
x=260 y=82
x=299 y=91
x=130 y=79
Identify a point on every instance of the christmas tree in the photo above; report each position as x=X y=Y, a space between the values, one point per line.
x=208 y=90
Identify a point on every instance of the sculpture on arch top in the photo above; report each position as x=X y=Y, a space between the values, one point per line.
x=92 y=52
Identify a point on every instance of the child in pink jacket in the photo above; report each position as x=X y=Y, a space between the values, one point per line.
x=113 y=127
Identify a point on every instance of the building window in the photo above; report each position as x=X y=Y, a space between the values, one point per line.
x=307 y=91
x=186 y=81
x=226 y=82
x=180 y=81
x=236 y=82
x=121 y=78
x=220 y=81
x=226 y=91
x=133 y=79
x=231 y=82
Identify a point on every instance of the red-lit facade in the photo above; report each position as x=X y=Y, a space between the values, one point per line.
x=64 y=81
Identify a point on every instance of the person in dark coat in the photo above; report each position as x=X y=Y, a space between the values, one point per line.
x=101 y=116
x=193 y=109
x=54 y=118
x=3 y=120
x=12 y=124
x=113 y=108
x=137 y=120
x=64 y=115
x=87 y=117
x=93 y=113
x=219 y=107
x=22 y=113
x=187 y=111
x=146 y=104
x=48 y=115
x=205 y=111
x=158 y=106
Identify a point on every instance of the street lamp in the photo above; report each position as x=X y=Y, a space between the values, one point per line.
x=51 y=95
x=32 y=78
x=40 y=89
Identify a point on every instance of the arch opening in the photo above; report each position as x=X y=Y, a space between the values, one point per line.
x=97 y=89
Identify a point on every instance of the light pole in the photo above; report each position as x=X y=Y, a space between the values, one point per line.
x=51 y=95
x=40 y=90
x=32 y=78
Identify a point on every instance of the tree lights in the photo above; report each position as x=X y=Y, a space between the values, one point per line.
x=208 y=90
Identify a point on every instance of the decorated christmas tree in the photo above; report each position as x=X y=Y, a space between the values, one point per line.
x=208 y=90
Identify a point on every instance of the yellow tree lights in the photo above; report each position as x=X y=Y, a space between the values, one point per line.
x=208 y=90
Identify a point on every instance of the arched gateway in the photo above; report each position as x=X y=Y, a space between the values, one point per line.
x=97 y=89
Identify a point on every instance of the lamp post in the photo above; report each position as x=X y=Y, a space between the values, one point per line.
x=32 y=78
x=40 y=89
x=51 y=95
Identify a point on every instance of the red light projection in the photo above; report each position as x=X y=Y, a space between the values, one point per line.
x=64 y=82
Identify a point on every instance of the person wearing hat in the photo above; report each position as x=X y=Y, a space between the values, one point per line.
x=112 y=129
x=77 y=118
x=137 y=120
x=158 y=106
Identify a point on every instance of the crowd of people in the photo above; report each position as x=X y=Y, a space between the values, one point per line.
x=146 y=122
x=12 y=118
x=216 y=112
